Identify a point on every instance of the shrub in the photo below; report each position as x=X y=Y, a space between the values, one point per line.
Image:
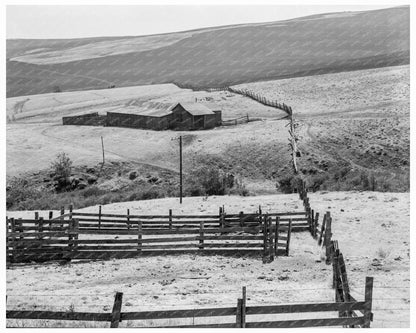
x=289 y=183
x=209 y=181
x=62 y=166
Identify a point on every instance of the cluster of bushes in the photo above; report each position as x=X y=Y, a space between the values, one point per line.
x=202 y=181
x=205 y=181
x=347 y=179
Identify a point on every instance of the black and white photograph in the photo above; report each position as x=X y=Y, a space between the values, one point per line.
x=208 y=165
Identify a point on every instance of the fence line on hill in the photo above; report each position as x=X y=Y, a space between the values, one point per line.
x=241 y=312
x=261 y=99
x=323 y=234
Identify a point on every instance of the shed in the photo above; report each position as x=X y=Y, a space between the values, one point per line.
x=163 y=116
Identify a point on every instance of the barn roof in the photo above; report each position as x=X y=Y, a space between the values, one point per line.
x=161 y=109
x=196 y=109
x=151 y=109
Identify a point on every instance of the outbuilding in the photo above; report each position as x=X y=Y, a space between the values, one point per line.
x=162 y=116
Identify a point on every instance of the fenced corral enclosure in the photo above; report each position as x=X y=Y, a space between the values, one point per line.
x=77 y=235
x=240 y=316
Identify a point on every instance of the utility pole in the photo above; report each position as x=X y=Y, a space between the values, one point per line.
x=102 y=146
x=180 y=169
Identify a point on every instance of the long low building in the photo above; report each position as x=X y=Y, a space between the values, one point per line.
x=162 y=116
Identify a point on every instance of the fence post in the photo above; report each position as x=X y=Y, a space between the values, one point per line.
x=13 y=238
x=116 y=313
x=328 y=236
x=271 y=239
x=128 y=219
x=311 y=221
x=315 y=225
x=241 y=219
x=170 y=218
x=36 y=215
x=322 y=229
x=334 y=270
x=40 y=228
x=50 y=223
x=238 y=321
x=265 y=238
x=71 y=227
x=70 y=211
x=201 y=235
x=99 y=217
x=62 y=218
x=75 y=237
x=222 y=220
x=139 y=235
x=276 y=237
x=368 y=298
x=243 y=308
x=289 y=232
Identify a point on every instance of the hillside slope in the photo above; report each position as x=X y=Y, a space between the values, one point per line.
x=215 y=56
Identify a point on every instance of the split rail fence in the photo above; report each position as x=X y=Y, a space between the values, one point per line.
x=77 y=235
x=323 y=234
x=241 y=313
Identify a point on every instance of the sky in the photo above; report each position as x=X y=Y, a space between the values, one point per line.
x=77 y=21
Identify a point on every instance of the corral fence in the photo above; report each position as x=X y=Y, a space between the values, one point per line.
x=261 y=99
x=239 y=316
x=323 y=234
x=77 y=235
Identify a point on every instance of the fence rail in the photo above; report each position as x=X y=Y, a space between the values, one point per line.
x=241 y=312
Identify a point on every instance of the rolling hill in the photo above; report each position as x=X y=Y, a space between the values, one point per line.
x=213 y=57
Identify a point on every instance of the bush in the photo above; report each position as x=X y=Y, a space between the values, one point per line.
x=62 y=166
x=209 y=181
x=289 y=183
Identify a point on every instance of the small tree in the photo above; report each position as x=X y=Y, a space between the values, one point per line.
x=62 y=166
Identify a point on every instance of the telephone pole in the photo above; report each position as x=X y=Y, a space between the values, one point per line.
x=180 y=169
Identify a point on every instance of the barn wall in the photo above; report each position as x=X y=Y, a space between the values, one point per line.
x=218 y=118
x=91 y=119
x=181 y=119
x=137 y=121
x=210 y=121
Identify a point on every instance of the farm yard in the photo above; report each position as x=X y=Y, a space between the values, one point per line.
x=259 y=146
x=185 y=180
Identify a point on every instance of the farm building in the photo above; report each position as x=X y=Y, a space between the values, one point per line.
x=163 y=116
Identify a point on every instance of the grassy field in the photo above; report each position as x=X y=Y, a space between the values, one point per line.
x=213 y=57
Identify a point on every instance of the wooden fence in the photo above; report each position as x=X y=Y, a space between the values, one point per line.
x=261 y=99
x=323 y=234
x=347 y=314
x=88 y=236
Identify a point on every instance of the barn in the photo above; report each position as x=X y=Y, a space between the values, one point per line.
x=163 y=116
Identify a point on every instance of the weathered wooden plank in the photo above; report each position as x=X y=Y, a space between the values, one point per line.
x=222 y=325
x=169 y=314
x=313 y=307
x=307 y=323
x=50 y=315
